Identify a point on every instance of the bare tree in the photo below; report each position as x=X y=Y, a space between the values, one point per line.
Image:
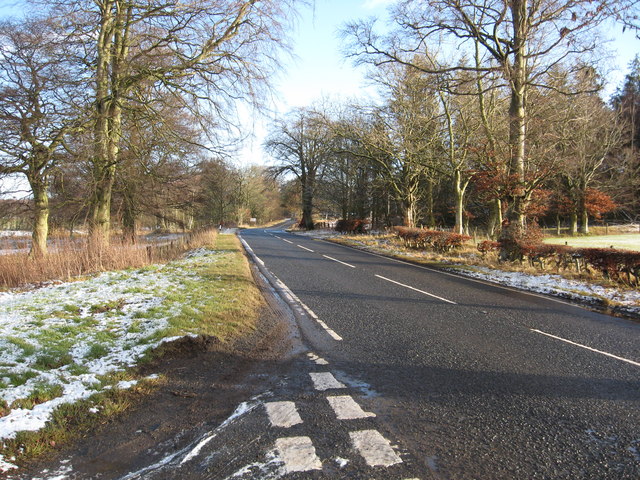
x=214 y=52
x=301 y=144
x=521 y=39
x=35 y=116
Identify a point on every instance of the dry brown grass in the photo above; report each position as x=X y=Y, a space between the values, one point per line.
x=468 y=255
x=74 y=259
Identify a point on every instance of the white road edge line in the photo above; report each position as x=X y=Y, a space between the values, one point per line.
x=283 y=414
x=336 y=260
x=292 y=298
x=305 y=248
x=298 y=454
x=417 y=290
x=622 y=359
x=316 y=359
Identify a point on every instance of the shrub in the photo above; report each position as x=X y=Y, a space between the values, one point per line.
x=430 y=239
x=487 y=246
x=614 y=263
x=355 y=225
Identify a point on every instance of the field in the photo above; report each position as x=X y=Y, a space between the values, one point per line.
x=627 y=241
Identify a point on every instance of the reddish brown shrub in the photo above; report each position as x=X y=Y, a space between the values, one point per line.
x=356 y=226
x=487 y=246
x=430 y=239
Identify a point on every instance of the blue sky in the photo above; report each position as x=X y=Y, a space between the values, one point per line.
x=318 y=68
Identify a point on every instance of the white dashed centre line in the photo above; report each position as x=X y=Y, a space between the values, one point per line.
x=283 y=414
x=324 y=381
x=417 y=290
x=622 y=359
x=336 y=260
x=346 y=408
x=375 y=449
x=287 y=241
x=298 y=454
x=305 y=248
x=318 y=360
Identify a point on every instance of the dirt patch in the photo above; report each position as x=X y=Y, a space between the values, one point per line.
x=205 y=381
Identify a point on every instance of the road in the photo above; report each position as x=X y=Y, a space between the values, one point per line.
x=465 y=379
x=394 y=372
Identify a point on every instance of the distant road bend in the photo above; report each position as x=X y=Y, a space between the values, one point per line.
x=453 y=378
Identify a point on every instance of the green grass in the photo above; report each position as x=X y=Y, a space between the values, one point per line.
x=630 y=241
x=27 y=348
x=211 y=296
x=41 y=393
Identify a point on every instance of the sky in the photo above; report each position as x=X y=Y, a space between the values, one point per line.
x=318 y=68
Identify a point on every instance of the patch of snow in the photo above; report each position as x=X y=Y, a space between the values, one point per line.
x=126 y=384
x=14 y=233
x=99 y=326
x=242 y=409
x=6 y=466
x=318 y=233
x=556 y=285
x=271 y=469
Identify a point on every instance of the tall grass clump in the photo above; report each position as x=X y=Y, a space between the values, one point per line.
x=71 y=259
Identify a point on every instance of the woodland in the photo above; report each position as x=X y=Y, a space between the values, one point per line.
x=491 y=117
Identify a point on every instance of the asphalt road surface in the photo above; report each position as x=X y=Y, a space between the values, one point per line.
x=397 y=372
x=416 y=373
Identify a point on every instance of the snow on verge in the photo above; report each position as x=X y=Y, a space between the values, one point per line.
x=556 y=285
x=67 y=337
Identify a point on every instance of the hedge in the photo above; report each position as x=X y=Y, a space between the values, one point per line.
x=430 y=239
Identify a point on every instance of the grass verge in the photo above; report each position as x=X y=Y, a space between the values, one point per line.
x=71 y=259
x=71 y=349
x=468 y=258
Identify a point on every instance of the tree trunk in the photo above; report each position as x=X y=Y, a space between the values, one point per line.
x=112 y=49
x=100 y=220
x=495 y=220
x=40 y=220
x=410 y=205
x=573 y=219
x=584 y=219
x=517 y=113
x=431 y=219
x=307 y=203
x=459 y=192
x=129 y=223
x=558 y=225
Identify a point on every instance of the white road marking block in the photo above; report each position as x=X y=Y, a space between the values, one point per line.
x=318 y=360
x=283 y=414
x=324 y=381
x=347 y=408
x=288 y=241
x=305 y=248
x=416 y=290
x=298 y=454
x=375 y=449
